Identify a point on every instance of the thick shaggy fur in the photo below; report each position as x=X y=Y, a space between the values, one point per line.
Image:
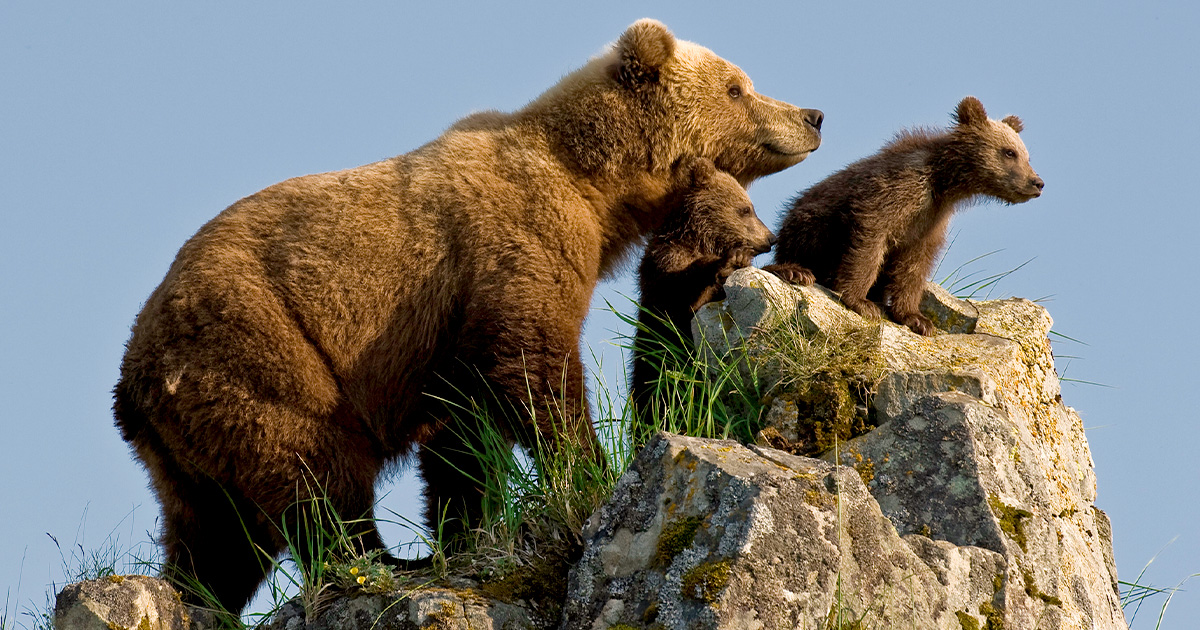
x=877 y=226
x=712 y=231
x=302 y=338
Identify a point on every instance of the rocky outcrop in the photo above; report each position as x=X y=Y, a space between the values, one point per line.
x=899 y=481
x=982 y=475
x=436 y=608
x=138 y=602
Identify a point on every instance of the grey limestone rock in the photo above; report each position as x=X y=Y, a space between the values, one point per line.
x=714 y=534
x=974 y=448
x=124 y=602
x=138 y=602
x=951 y=469
x=429 y=607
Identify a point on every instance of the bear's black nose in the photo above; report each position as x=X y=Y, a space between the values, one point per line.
x=1038 y=183
x=772 y=239
x=814 y=117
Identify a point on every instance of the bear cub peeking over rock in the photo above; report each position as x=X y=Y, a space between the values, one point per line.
x=711 y=231
x=871 y=231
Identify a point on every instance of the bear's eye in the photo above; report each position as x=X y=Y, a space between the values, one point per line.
x=746 y=211
x=735 y=91
x=1010 y=154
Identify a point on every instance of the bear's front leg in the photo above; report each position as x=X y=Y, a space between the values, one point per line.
x=739 y=258
x=859 y=268
x=907 y=271
x=539 y=375
x=521 y=364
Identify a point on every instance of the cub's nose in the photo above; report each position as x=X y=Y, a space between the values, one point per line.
x=1037 y=183
x=764 y=246
x=814 y=117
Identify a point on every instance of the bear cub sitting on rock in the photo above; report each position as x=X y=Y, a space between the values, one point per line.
x=711 y=231
x=872 y=231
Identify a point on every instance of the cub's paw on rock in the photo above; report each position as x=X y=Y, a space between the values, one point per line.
x=792 y=273
x=917 y=323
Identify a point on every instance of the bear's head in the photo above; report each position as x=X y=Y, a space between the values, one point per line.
x=999 y=162
x=711 y=107
x=652 y=101
x=714 y=214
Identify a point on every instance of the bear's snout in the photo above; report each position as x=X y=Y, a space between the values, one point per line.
x=1035 y=186
x=765 y=243
x=814 y=117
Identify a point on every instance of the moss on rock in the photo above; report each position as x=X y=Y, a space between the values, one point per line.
x=676 y=536
x=704 y=582
x=1033 y=591
x=830 y=385
x=994 y=620
x=542 y=581
x=1012 y=520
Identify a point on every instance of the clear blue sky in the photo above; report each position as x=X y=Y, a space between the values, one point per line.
x=125 y=126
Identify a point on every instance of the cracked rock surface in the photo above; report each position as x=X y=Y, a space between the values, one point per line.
x=715 y=534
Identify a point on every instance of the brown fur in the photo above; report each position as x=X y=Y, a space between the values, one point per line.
x=877 y=226
x=301 y=337
x=712 y=231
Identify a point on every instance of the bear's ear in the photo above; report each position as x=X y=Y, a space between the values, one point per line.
x=642 y=50
x=702 y=170
x=970 y=112
x=1014 y=122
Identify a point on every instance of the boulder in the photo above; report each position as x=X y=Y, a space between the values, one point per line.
x=714 y=534
x=124 y=602
x=954 y=470
x=973 y=448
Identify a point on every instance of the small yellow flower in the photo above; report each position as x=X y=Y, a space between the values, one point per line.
x=353 y=570
x=362 y=578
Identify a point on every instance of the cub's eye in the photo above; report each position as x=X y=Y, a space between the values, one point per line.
x=735 y=91
x=1010 y=154
x=746 y=211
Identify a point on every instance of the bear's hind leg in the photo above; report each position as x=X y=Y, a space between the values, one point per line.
x=216 y=550
x=333 y=511
x=453 y=497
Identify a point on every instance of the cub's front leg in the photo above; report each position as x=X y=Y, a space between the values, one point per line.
x=907 y=272
x=858 y=271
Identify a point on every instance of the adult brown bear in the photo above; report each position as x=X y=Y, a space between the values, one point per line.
x=303 y=335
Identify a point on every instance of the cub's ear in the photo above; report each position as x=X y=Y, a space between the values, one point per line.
x=1014 y=122
x=702 y=170
x=970 y=112
x=642 y=50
